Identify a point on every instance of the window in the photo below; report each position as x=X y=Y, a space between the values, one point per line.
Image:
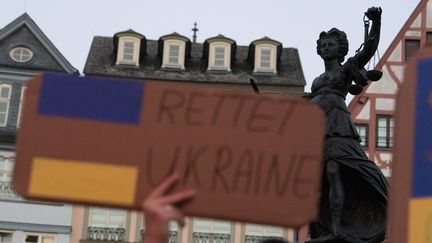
x=23 y=89
x=174 y=52
x=265 y=58
x=363 y=133
x=411 y=47
x=429 y=38
x=6 y=169
x=219 y=56
x=263 y=231
x=385 y=127
x=128 y=50
x=5 y=95
x=107 y=224
x=21 y=54
x=107 y=218
x=5 y=237
x=173 y=230
x=207 y=230
x=39 y=238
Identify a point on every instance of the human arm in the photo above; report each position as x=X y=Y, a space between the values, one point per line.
x=160 y=208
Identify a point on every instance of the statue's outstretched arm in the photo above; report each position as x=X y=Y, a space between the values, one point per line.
x=371 y=44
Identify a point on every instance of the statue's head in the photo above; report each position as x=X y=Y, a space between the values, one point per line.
x=340 y=37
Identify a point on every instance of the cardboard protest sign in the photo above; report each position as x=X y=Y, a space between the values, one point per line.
x=411 y=191
x=108 y=142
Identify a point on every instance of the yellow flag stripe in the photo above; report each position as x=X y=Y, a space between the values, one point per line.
x=420 y=220
x=83 y=180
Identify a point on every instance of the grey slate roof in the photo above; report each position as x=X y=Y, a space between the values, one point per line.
x=101 y=61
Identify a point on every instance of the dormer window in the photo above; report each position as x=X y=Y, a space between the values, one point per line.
x=173 y=51
x=219 y=57
x=174 y=54
x=220 y=53
x=264 y=54
x=265 y=59
x=128 y=47
x=128 y=53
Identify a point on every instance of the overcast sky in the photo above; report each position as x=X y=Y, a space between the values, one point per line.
x=72 y=24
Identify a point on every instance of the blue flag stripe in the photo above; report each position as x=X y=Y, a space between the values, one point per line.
x=94 y=98
x=422 y=168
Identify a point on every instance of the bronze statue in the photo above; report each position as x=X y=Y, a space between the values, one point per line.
x=354 y=190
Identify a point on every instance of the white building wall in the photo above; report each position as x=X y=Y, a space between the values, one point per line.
x=62 y=238
x=396 y=55
x=365 y=112
x=417 y=22
x=429 y=15
x=385 y=104
x=33 y=213
x=18 y=237
x=21 y=217
x=385 y=86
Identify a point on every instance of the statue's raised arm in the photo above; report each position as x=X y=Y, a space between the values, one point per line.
x=372 y=41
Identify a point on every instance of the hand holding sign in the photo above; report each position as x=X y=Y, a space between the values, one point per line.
x=160 y=208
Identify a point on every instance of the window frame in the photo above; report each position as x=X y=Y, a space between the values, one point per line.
x=409 y=56
x=21 y=49
x=389 y=137
x=7 y=101
x=214 y=226
x=4 y=232
x=108 y=223
x=213 y=57
x=264 y=230
x=174 y=49
x=258 y=68
x=135 y=50
x=429 y=38
x=366 y=140
x=6 y=171
x=40 y=236
x=21 y=104
x=166 y=54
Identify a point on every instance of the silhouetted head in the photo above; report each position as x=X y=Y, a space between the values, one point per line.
x=273 y=240
x=340 y=38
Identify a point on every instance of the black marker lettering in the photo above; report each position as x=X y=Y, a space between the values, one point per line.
x=219 y=104
x=149 y=163
x=223 y=161
x=258 y=171
x=273 y=175
x=255 y=117
x=290 y=105
x=170 y=101
x=191 y=167
x=193 y=109
x=300 y=180
x=244 y=170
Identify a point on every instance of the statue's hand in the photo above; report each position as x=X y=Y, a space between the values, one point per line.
x=374 y=13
